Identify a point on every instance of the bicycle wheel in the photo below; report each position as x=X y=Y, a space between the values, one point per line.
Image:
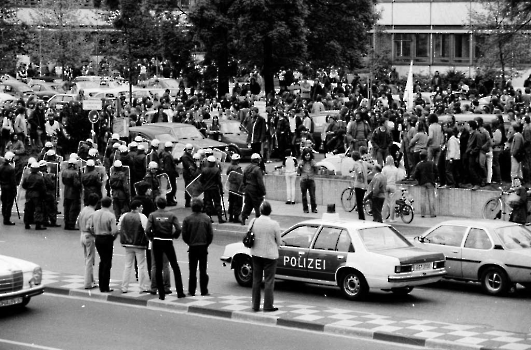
x=493 y=209
x=367 y=207
x=348 y=199
x=406 y=213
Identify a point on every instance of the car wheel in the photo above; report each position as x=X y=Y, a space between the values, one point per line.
x=243 y=271
x=494 y=281
x=353 y=285
x=402 y=291
x=232 y=150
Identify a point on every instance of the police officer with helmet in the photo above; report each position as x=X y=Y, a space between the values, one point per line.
x=71 y=177
x=189 y=169
x=254 y=187
x=169 y=166
x=8 y=186
x=35 y=191
x=213 y=188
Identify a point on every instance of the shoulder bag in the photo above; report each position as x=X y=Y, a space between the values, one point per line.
x=248 y=240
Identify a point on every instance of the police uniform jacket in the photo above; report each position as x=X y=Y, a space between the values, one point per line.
x=153 y=156
x=34 y=185
x=118 y=183
x=49 y=181
x=91 y=181
x=7 y=177
x=211 y=178
x=167 y=164
x=189 y=166
x=72 y=182
x=124 y=158
x=253 y=180
x=138 y=170
x=235 y=182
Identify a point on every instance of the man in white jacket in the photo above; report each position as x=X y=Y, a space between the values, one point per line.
x=453 y=157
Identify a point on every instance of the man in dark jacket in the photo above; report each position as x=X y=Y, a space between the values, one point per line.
x=131 y=229
x=426 y=173
x=381 y=140
x=189 y=170
x=472 y=151
x=257 y=131
x=212 y=187
x=254 y=188
x=464 y=135
x=138 y=169
x=35 y=191
x=169 y=166
x=71 y=177
x=119 y=189
x=162 y=227
x=8 y=186
x=49 y=201
x=198 y=234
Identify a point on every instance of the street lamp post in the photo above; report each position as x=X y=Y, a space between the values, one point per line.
x=40 y=50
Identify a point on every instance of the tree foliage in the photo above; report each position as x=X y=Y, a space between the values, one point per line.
x=14 y=38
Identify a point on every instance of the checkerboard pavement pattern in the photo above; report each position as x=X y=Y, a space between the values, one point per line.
x=313 y=317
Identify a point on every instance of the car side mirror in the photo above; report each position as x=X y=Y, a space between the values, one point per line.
x=419 y=238
x=498 y=247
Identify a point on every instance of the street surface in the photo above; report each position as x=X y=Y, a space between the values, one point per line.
x=57 y=323
x=448 y=301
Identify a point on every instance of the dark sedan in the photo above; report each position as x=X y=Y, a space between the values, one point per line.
x=235 y=135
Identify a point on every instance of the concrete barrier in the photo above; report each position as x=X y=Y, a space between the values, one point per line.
x=449 y=201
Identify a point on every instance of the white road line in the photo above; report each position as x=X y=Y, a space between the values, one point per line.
x=33 y=346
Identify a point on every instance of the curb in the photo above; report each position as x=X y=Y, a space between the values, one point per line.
x=267 y=319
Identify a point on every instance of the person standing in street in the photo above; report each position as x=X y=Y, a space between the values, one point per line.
x=88 y=240
x=8 y=186
x=91 y=181
x=254 y=187
x=265 y=255
x=377 y=189
x=307 y=170
x=131 y=227
x=168 y=165
x=162 y=228
x=189 y=169
x=425 y=174
x=35 y=191
x=103 y=222
x=360 y=182
x=257 y=131
x=235 y=174
x=72 y=193
x=198 y=234
x=213 y=188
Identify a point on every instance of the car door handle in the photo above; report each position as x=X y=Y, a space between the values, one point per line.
x=456 y=252
x=302 y=253
x=340 y=257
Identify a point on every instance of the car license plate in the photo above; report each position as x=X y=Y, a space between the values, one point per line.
x=8 y=302
x=425 y=266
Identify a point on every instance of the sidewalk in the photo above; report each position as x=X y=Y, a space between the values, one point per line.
x=317 y=318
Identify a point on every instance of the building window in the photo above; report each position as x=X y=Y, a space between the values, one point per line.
x=402 y=45
x=462 y=47
x=422 y=47
x=441 y=48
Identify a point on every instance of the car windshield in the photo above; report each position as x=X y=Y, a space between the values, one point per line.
x=382 y=238
x=165 y=137
x=187 y=132
x=170 y=84
x=230 y=128
x=515 y=237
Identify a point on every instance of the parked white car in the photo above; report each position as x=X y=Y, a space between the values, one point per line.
x=19 y=281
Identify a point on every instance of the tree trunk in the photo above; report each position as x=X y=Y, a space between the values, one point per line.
x=223 y=67
x=268 y=73
x=502 y=62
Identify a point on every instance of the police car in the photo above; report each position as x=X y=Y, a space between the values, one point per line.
x=19 y=281
x=354 y=255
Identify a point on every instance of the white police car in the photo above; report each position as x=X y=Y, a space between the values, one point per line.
x=19 y=281
x=354 y=255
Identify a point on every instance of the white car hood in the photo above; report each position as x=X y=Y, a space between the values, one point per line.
x=9 y=264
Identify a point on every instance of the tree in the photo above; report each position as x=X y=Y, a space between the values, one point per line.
x=14 y=37
x=338 y=31
x=60 y=36
x=498 y=32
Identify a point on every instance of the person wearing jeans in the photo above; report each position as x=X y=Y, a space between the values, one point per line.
x=377 y=190
x=307 y=171
x=290 y=172
x=425 y=174
x=264 y=254
x=87 y=239
x=360 y=182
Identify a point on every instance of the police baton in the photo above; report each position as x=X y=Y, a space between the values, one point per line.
x=223 y=204
x=16 y=206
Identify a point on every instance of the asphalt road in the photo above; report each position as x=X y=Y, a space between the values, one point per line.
x=56 y=322
x=448 y=301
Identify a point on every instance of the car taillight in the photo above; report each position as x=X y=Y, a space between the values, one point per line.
x=403 y=268
x=438 y=264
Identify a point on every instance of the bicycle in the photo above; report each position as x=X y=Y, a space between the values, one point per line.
x=348 y=201
x=404 y=207
x=496 y=208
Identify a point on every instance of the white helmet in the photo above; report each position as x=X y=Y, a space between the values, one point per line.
x=153 y=165
x=116 y=145
x=35 y=165
x=72 y=161
x=208 y=151
x=141 y=147
x=122 y=148
x=50 y=152
x=32 y=160
x=155 y=143
x=115 y=136
x=133 y=144
x=42 y=163
x=91 y=163
x=139 y=139
x=90 y=141
x=255 y=156
x=168 y=144
x=74 y=156
x=189 y=146
x=197 y=156
x=93 y=152
x=235 y=156
x=48 y=144
x=9 y=156
x=117 y=164
x=211 y=159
